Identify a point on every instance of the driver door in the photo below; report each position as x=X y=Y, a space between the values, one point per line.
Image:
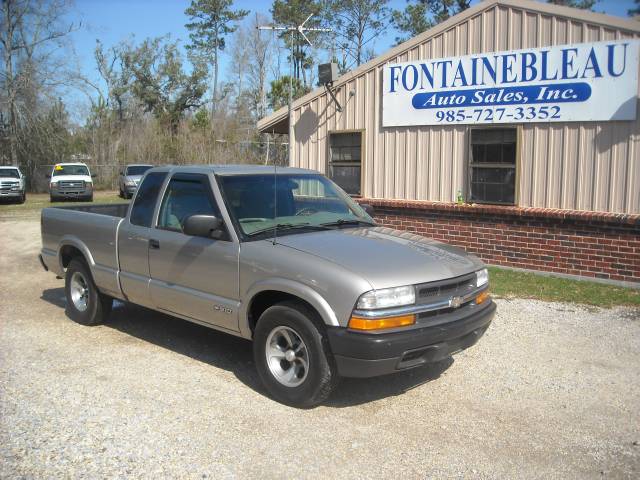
x=194 y=277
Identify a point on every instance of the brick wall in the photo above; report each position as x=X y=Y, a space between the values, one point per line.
x=590 y=244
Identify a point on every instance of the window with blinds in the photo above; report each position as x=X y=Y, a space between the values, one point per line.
x=345 y=160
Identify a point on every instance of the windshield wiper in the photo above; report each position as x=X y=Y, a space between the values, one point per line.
x=343 y=221
x=288 y=226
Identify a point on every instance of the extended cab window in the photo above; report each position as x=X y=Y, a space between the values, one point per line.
x=186 y=195
x=145 y=202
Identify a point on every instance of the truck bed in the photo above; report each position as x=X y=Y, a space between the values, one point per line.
x=91 y=229
x=111 y=209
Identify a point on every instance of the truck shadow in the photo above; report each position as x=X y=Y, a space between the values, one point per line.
x=235 y=354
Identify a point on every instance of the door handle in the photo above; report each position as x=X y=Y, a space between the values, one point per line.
x=153 y=243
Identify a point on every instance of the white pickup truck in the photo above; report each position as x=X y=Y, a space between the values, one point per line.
x=70 y=180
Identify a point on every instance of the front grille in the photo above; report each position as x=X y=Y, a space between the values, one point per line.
x=444 y=290
x=71 y=185
x=7 y=186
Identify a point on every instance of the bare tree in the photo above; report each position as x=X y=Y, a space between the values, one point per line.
x=31 y=35
x=111 y=67
x=356 y=23
x=260 y=57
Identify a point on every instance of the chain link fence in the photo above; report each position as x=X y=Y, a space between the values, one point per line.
x=106 y=176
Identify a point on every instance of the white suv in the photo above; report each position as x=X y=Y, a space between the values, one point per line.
x=71 y=180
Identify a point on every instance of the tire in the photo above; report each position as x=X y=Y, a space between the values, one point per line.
x=97 y=306
x=121 y=194
x=23 y=199
x=52 y=199
x=302 y=387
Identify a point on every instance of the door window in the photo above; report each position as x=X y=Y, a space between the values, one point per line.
x=186 y=195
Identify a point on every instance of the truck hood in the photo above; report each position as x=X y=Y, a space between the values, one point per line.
x=57 y=178
x=9 y=179
x=133 y=178
x=386 y=257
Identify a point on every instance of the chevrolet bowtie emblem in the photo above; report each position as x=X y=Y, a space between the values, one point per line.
x=455 y=302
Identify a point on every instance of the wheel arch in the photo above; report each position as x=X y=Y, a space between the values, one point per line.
x=264 y=294
x=70 y=248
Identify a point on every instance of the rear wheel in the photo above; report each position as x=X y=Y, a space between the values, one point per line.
x=85 y=304
x=292 y=355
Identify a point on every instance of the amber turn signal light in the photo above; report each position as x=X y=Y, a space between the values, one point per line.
x=360 y=323
x=482 y=297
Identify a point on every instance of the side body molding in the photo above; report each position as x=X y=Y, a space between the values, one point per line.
x=287 y=286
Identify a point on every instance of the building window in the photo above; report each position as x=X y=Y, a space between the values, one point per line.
x=345 y=151
x=493 y=165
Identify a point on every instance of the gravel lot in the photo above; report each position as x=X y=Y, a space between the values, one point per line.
x=551 y=391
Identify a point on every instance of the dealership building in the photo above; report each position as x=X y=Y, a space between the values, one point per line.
x=512 y=130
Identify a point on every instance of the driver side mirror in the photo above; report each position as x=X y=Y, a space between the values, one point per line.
x=48 y=175
x=369 y=209
x=208 y=226
x=93 y=175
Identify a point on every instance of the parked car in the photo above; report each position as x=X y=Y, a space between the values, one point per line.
x=13 y=185
x=287 y=260
x=130 y=177
x=71 y=180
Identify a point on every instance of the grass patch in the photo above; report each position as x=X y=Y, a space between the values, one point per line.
x=37 y=201
x=510 y=283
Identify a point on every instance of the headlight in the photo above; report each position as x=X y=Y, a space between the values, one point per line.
x=387 y=297
x=130 y=183
x=482 y=277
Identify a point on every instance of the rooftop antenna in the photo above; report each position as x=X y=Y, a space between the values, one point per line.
x=293 y=30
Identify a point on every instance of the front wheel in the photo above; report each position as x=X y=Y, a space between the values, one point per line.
x=23 y=198
x=85 y=304
x=292 y=355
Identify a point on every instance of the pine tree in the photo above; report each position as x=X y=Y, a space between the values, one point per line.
x=210 y=22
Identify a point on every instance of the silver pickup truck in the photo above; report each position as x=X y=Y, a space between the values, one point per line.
x=285 y=259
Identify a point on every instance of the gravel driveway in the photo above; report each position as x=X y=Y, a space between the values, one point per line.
x=551 y=391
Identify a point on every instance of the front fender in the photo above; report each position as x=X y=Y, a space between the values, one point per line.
x=292 y=288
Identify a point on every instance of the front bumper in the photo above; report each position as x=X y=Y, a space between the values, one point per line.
x=11 y=193
x=86 y=193
x=360 y=354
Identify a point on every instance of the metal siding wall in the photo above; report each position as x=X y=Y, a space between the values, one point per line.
x=577 y=165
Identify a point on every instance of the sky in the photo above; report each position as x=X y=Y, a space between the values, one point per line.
x=114 y=20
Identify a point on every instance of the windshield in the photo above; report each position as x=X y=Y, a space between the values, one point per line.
x=70 y=170
x=137 y=169
x=304 y=202
x=9 y=172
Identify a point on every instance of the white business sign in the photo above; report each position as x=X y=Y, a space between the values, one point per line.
x=568 y=83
